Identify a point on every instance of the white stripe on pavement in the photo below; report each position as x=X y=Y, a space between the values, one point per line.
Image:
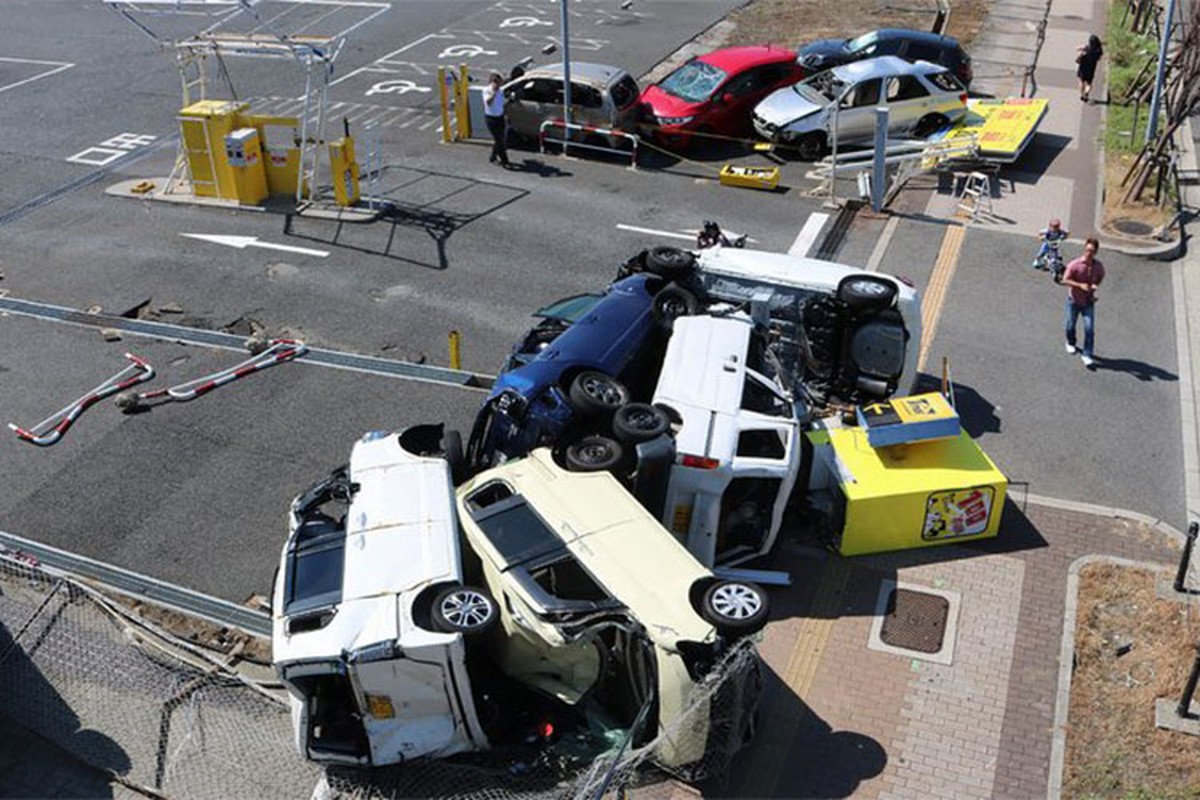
x=808 y=234
x=653 y=232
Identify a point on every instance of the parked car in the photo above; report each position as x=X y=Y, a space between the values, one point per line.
x=370 y=611
x=601 y=96
x=907 y=44
x=567 y=379
x=716 y=93
x=603 y=609
x=839 y=333
x=921 y=99
x=737 y=438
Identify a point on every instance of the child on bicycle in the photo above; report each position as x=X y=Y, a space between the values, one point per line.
x=1051 y=235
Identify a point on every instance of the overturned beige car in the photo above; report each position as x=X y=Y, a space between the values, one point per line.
x=601 y=608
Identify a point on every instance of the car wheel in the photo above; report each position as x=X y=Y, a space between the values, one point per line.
x=595 y=393
x=593 y=454
x=673 y=302
x=670 y=262
x=639 y=422
x=452 y=451
x=865 y=293
x=929 y=125
x=735 y=607
x=811 y=146
x=463 y=609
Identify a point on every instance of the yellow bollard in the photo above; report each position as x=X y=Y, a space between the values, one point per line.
x=455 y=350
x=442 y=78
x=461 y=107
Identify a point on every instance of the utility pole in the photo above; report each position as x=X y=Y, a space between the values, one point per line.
x=566 y=62
x=1156 y=103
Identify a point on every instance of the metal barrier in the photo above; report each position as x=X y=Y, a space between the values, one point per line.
x=633 y=139
x=927 y=154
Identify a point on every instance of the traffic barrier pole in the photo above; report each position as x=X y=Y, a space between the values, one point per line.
x=1186 y=558
x=444 y=97
x=1185 y=702
x=455 y=351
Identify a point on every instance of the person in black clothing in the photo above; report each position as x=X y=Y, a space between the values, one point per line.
x=1087 y=58
x=493 y=110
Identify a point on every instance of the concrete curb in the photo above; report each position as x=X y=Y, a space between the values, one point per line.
x=1066 y=658
x=1108 y=511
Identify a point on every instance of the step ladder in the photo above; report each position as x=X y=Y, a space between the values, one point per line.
x=976 y=197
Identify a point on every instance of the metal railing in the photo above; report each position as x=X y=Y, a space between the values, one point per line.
x=566 y=143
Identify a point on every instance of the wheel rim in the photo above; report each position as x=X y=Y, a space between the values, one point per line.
x=642 y=419
x=871 y=288
x=467 y=609
x=602 y=391
x=673 y=307
x=593 y=453
x=736 y=601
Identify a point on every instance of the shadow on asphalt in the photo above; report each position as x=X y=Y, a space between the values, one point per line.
x=1037 y=158
x=439 y=204
x=1138 y=369
x=976 y=413
x=808 y=758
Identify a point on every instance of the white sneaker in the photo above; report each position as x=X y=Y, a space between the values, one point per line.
x=1087 y=360
x=1070 y=348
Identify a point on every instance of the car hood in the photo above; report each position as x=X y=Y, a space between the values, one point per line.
x=664 y=104
x=784 y=105
x=822 y=53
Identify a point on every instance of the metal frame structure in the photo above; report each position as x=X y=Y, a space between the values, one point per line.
x=314 y=53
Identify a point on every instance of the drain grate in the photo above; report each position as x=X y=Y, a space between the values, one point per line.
x=915 y=621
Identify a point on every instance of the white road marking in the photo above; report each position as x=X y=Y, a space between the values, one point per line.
x=242 y=242
x=808 y=234
x=881 y=246
x=652 y=232
x=59 y=66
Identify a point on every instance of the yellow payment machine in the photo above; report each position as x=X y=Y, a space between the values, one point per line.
x=344 y=168
x=243 y=151
x=911 y=479
x=204 y=126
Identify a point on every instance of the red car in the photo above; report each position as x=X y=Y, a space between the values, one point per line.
x=716 y=93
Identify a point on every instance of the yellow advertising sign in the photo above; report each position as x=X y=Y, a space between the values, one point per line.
x=1002 y=128
x=901 y=420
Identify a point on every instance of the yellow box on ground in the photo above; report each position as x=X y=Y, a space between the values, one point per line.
x=280 y=138
x=906 y=496
x=1002 y=128
x=750 y=177
x=344 y=169
x=916 y=418
x=243 y=151
x=204 y=126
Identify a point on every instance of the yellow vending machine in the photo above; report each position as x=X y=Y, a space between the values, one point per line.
x=243 y=152
x=344 y=170
x=204 y=126
x=923 y=481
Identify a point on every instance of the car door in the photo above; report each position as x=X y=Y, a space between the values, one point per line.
x=908 y=102
x=856 y=118
x=529 y=101
x=733 y=103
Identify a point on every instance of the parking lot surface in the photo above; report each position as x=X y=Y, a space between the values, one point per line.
x=196 y=493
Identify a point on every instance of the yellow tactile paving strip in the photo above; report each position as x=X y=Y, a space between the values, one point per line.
x=939 y=284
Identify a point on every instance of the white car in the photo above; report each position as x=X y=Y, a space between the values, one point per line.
x=921 y=98
x=370 y=612
x=737 y=439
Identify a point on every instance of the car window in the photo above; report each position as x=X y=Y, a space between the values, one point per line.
x=822 y=85
x=540 y=90
x=512 y=527
x=860 y=42
x=869 y=51
x=924 y=51
x=569 y=309
x=695 y=81
x=565 y=579
x=313 y=576
x=864 y=94
x=905 y=87
x=761 y=444
x=945 y=81
x=624 y=91
x=585 y=96
x=758 y=396
x=889 y=47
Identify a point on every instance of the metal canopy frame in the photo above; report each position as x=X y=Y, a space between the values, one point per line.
x=314 y=53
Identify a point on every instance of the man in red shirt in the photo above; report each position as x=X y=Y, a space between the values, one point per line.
x=1082 y=277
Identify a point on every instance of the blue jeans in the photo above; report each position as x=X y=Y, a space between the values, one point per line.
x=1071 y=315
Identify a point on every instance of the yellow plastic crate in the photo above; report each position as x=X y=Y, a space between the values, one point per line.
x=750 y=177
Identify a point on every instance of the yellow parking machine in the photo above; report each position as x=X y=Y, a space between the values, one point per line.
x=903 y=496
x=243 y=151
x=204 y=126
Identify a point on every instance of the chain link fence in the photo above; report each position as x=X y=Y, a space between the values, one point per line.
x=170 y=718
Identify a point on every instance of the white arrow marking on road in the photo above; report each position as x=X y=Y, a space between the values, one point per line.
x=242 y=242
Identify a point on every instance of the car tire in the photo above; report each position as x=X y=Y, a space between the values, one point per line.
x=593 y=454
x=593 y=393
x=670 y=262
x=673 y=302
x=463 y=609
x=452 y=451
x=735 y=608
x=866 y=293
x=639 y=422
x=811 y=146
x=928 y=125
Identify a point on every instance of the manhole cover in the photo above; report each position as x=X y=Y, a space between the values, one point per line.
x=1132 y=227
x=915 y=621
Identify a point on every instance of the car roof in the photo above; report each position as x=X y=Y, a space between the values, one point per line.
x=601 y=74
x=884 y=67
x=731 y=58
x=914 y=35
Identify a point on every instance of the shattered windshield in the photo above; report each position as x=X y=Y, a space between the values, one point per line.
x=694 y=81
x=822 y=86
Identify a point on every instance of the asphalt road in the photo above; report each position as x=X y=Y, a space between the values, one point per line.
x=197 y=492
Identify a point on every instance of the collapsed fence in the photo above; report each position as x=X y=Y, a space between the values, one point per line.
x=166 y=717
